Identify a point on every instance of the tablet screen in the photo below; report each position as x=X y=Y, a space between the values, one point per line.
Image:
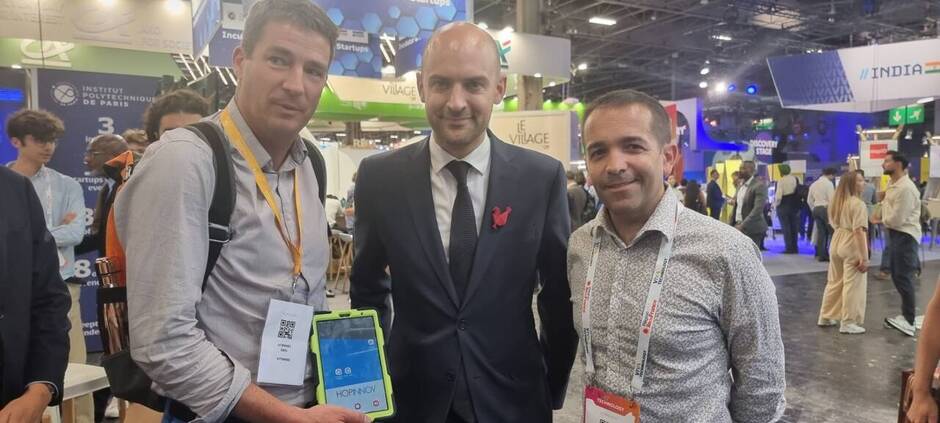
x=352 y=368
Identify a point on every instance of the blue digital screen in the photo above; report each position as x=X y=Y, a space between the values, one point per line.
x=352 y=367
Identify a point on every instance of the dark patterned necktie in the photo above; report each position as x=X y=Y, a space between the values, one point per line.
x=463 y=230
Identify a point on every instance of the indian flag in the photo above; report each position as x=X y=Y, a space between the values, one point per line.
x=932 y=67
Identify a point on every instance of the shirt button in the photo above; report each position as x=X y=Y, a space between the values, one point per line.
x=462 y=324
x=451 y=376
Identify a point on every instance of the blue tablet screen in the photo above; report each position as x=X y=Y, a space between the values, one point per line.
x=352 y=368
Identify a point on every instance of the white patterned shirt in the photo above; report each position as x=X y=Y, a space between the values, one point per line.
x=718 y=312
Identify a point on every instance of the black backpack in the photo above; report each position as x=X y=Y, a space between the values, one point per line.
x=127 y=380
x=590 y=207
x=223 y=198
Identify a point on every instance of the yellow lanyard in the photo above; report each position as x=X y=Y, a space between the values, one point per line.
x=235 y=136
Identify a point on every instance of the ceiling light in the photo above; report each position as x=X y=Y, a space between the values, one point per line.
x=16 y=66
x=703 y=84
x=174 y=6
x=721 y=86
x=653 y=16
x=924 y=100
x=537 y=75
x=583 y=66
x=722 y=37
x=705 y=70
x=551 y=84
x=602 y=21
x=751 y=89
x=483 y=25
x=732 y=88
x=417 y=132
x=507 y=29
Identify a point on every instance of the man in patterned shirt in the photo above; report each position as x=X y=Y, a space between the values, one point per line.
x=700 y=341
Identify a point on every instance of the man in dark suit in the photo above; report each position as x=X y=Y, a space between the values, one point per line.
x=468 y=226
x=715 y=198
x=34 y=303
x=577 y=199
x=752 y=197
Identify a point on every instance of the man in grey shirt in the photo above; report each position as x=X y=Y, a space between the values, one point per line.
x=203 y=348
x=705 y=343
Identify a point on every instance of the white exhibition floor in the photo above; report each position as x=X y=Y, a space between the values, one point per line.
x=779 y=264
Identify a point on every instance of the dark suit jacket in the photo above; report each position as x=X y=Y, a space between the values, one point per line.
x=715 y=198
x=513 y=375
x=34 y=301
x=94 y=239
x=577 y=200
x=752 y=208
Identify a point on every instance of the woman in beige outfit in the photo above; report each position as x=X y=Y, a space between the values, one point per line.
x=844 y=298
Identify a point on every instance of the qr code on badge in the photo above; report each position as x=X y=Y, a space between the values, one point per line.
x=287 y=329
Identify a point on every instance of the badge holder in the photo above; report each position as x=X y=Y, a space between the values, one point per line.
x=604 y=407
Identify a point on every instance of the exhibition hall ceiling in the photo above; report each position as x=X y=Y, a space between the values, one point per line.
x=643 y=44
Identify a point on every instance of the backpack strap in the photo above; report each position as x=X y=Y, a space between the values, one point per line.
x=223 y=197
x=319 y=168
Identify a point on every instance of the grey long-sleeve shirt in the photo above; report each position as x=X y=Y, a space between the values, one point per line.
x=718 y=312
x=202 y=348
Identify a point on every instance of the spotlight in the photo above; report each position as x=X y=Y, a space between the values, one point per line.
x=732 y=88
x=600 y=20
x=721 y=86
x=751 y=89
x=583 y=66
x=703 y=84
x=705 y=71
x=174 y=6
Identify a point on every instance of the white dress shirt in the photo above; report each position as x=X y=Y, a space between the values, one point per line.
x=820 y=193
x=742 y=191
x=785 y=186
x=333 y=208
x=444 y=185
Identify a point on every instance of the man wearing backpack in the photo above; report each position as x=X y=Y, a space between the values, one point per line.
x=200 y=340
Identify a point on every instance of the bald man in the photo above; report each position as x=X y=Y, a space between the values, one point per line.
x=468 y=226
x=100 y=150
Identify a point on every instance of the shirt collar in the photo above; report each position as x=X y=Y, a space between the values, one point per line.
x=662 y=220
x=36 y=176
x=898 y=182
x=298 y=150
x=479 y=158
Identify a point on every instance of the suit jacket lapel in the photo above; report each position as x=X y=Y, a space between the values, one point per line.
x=422 y=211
x=499 y=193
